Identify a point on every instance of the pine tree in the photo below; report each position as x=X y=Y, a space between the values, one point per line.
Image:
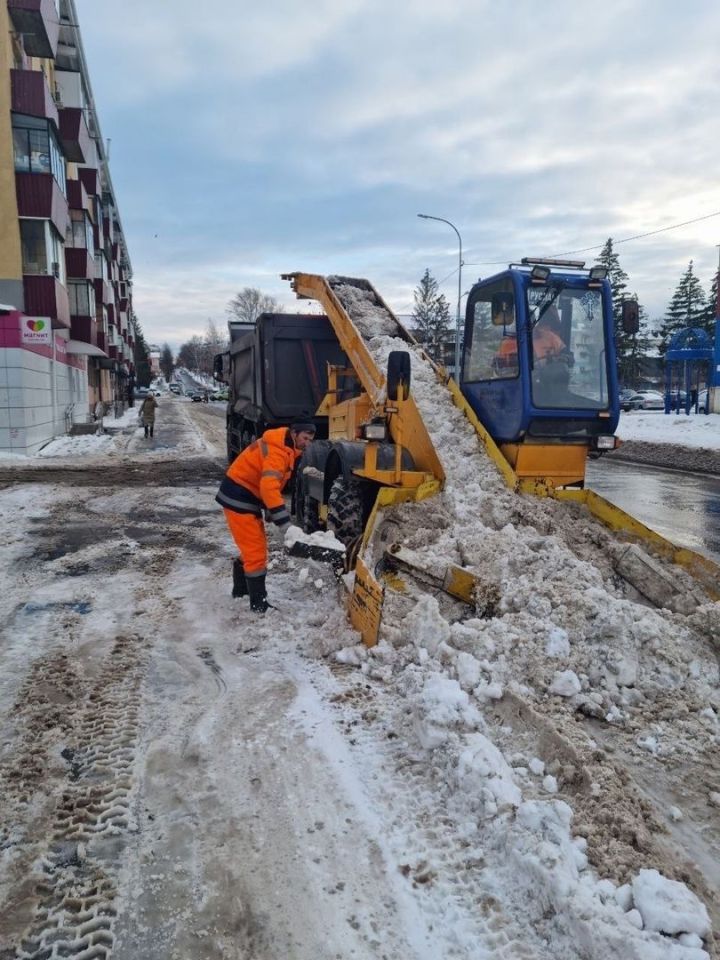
x=687 y=308
x=431 y=316
x=712 y=311
x=618 y=285
x=166 y=362
x=141 y=358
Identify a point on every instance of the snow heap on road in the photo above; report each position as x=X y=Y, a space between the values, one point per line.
x=533 y=716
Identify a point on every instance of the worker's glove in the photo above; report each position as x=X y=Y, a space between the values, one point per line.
x=279 y=516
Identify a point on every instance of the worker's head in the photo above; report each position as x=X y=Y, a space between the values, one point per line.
x=302 y=433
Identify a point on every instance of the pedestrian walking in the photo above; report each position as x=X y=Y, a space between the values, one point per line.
x=254 y=483
x=147 y=414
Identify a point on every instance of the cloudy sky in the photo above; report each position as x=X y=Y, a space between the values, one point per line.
x=253 y=139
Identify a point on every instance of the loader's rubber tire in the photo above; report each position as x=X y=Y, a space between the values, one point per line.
x=311 y=515
x=398 y=373
x=345 y=516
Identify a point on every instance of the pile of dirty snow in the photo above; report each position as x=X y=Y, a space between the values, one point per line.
x=493 y=700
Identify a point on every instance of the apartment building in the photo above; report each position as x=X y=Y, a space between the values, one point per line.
x=66 y=321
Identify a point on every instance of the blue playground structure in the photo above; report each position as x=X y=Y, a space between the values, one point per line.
x=690 y=361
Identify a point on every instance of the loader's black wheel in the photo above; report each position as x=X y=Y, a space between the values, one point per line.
x=345 y=516
x=398 y=374
x=311 y=515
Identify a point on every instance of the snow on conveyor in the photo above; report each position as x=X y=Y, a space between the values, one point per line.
x=534 y=717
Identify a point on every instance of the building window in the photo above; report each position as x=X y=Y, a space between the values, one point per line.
x=36 y=149
x=42 y=249
x=82 y=299
x=80 y=232
x=34 y=249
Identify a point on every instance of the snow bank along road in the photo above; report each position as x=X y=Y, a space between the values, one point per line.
x=181 y=779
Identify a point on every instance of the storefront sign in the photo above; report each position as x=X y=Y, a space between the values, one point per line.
x=35 y=331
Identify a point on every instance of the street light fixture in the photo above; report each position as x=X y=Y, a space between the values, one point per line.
x=426 y=216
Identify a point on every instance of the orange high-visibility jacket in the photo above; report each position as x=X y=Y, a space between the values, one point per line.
x=256 y=477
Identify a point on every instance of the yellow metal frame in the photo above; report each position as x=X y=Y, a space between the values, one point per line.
x=544 y=470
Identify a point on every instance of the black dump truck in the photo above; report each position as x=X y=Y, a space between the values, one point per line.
x=276 y=372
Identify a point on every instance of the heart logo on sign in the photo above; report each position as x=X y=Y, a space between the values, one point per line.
x=36 y=325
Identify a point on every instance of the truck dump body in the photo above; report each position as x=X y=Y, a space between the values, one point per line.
x=278 y=373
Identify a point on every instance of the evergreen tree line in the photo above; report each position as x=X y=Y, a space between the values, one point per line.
x=689 y=306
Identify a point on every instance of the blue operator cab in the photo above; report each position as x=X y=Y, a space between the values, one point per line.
x=538 y=365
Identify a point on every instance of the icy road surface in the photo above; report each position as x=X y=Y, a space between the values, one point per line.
x=182 y=779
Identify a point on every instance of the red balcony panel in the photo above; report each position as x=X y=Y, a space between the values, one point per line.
x=115 y=253
x=111 y=312
x=90 y=180
x=102 y=292
x=38 y=195
x=80 y=265
x=84 y=329
x=78 y=198
x=101 y=340
x=46 y=297
x=75 y=135
x=37 y=21
x=112 y=352
x=31 y=95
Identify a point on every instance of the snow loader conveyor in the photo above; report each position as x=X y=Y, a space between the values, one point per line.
x=382 y=440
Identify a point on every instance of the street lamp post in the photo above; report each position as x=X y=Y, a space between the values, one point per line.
x=426 y=216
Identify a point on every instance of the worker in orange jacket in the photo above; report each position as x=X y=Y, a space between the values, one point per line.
x=254 y=482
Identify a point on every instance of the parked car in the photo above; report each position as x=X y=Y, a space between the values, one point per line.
x=703 y=401
x=196 y=396
x=140 y=393
x=643 y=400
x=649 y=400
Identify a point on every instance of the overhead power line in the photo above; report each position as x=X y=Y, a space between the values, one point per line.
x=598 y=246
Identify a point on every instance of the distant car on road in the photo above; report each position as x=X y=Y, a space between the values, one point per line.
x=195 y=396
x=140 y=393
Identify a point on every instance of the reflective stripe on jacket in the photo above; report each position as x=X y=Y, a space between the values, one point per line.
x=256 y=477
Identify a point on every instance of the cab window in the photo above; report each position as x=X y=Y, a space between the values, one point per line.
x=492 y=352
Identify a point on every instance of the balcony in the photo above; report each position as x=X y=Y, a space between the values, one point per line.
x=79 y=263
x=39 y=195
x=103 y=293
x=102 y=340
x=31 y=95
x=78 y=198
x=90 y=180
x=84 y=329
x=47 y=297
x=74 y=135
x=37 y=21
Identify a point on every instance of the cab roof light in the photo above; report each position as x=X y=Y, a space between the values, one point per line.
x=574 y=264
x=598 y=273
x=539 y=274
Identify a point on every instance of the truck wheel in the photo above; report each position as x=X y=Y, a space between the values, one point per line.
x=345 y=510
x=248 y=434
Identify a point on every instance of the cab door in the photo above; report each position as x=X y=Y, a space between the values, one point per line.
x=494 y=356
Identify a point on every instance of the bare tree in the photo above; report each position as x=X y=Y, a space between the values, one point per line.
x=249 y=303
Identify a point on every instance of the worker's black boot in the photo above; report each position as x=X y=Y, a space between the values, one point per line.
x=240 y=588
x=258 y=594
